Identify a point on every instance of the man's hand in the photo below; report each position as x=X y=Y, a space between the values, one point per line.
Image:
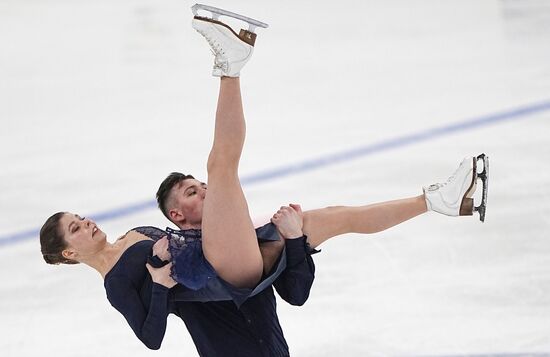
x=289 y=221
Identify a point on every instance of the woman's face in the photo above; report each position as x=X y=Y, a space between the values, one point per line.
x=82 y=235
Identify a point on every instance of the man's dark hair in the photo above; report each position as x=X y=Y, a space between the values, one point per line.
x=163 y=193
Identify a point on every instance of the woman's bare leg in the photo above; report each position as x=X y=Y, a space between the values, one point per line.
x=325 y=223
x=271 y=251
x=229 y=239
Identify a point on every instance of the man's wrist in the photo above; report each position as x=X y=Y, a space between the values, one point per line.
x=295 y=235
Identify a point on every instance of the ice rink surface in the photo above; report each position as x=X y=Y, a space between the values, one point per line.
x=347 y=102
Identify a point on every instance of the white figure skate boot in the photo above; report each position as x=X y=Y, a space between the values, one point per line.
x=455 y=197
x=231 y=51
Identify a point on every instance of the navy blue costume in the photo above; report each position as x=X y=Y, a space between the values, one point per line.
x=219 y=328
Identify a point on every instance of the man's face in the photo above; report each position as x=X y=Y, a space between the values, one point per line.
x=188 y=198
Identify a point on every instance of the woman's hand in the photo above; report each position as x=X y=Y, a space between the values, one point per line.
x=162 y=275
x=160 y=249
x=289 y=221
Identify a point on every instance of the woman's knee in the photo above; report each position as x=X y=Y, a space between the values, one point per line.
x=252 y=276
x=241 y=275
x=241 y=269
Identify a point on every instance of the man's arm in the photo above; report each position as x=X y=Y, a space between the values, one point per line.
x=294 y=284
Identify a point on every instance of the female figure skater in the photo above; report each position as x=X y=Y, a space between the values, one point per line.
x=220 y=243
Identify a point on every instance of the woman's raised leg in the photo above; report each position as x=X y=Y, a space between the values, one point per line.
x=229 y=239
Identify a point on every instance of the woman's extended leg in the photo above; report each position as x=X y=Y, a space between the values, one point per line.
x=325 y=223
x=229 y=239
x=452 y=198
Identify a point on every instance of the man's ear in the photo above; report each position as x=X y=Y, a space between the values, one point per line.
x=176 y=216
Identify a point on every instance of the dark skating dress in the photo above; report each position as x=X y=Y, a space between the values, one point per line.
x=199 y=279
x=218 y=328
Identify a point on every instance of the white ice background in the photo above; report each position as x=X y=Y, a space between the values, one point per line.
x=100 y=100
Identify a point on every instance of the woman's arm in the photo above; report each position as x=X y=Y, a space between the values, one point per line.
x=148 y=325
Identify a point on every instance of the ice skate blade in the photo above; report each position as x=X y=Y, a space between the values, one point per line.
x=484 y=176
x=217 y=12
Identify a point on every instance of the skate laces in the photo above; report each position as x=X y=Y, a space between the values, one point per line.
x=220 y=64
x=215 y=47
x=439 y=185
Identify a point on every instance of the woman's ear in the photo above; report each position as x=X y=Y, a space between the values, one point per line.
x=69 y=254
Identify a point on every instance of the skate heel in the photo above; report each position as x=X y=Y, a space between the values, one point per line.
x=244 y=35
x=248 y=37
x=467 y=207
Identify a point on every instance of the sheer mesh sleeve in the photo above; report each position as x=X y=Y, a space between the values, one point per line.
x=190 y=266
x=152 y=232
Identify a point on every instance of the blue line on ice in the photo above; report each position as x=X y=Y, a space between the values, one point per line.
x=326 y=160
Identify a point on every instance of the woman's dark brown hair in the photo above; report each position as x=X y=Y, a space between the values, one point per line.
x=52 y=242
